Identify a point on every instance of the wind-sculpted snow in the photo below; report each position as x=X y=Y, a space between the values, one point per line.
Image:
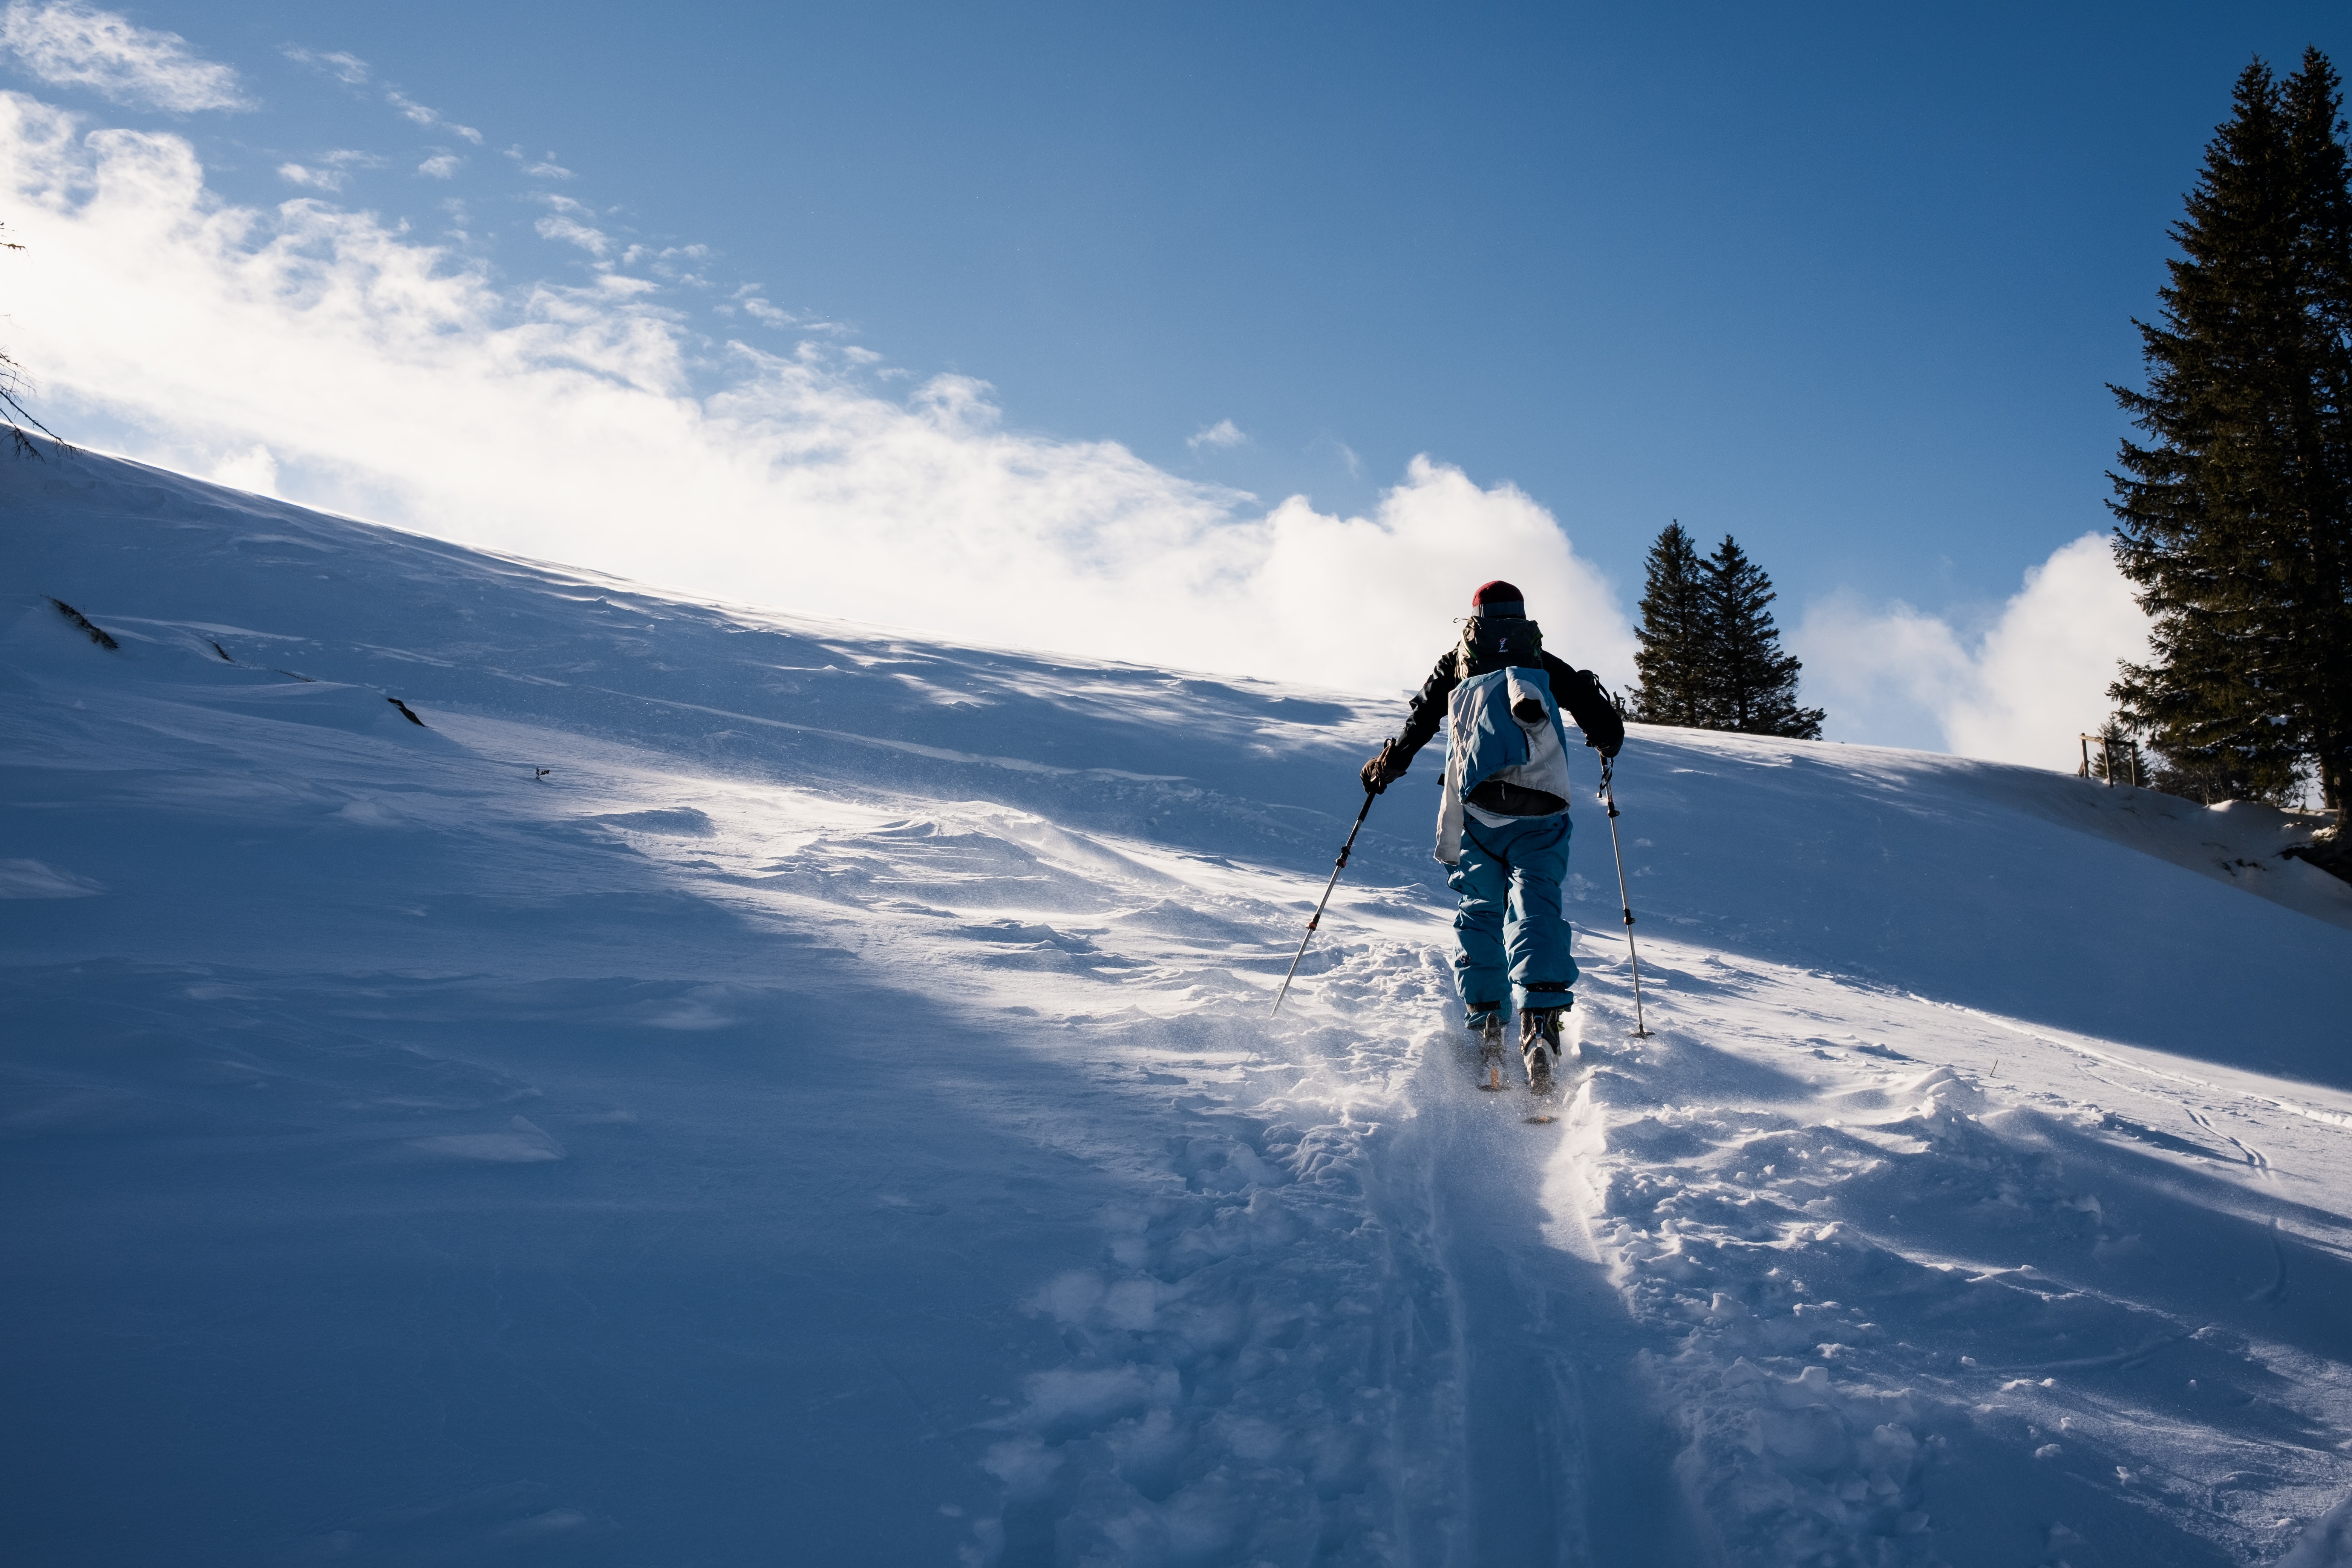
x=830 y=1113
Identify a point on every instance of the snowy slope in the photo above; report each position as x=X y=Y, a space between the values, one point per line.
x=831 y=1117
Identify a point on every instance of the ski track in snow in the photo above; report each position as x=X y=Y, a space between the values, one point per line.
x=832 y=1112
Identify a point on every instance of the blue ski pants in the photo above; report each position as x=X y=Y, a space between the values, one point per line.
x=1510 y=932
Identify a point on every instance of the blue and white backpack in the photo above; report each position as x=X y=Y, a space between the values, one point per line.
x=1507 y=752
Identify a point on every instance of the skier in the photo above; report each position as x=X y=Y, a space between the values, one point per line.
x=1503 y=824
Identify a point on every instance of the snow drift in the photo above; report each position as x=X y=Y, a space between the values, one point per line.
x=504 y=1066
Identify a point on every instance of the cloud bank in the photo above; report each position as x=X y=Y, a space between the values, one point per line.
x=328 y=356
x=333 y=354
x=2020 y=692
x=71 y=45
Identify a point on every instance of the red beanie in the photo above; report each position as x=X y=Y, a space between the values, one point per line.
x=1498 y=598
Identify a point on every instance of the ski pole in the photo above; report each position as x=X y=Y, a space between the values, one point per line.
x=1640 y=1029
x=1317 y=919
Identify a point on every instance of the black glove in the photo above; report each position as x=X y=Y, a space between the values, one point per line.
x=1385 y=768
x=1613 y=747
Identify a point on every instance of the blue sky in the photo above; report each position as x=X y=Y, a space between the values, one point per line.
x=1845 y=281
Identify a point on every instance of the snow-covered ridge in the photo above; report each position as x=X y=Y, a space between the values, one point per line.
x=831 y=1112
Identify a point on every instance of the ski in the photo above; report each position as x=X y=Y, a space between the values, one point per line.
x=1490 y=1054
x=1542 y=1086
x=1553 y=1070
x=1539 y=1049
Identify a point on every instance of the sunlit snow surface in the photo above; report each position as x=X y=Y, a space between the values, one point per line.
x=832 y=1115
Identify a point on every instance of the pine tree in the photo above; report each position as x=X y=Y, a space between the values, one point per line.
x=2321 y=579
x=1751 y=685
x=1710 y=657
x=1675 y=651
x=2233 y=522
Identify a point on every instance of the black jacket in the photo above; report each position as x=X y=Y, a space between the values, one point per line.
x=1575 y=688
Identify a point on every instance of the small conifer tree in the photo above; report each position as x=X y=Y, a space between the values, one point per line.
x=1675 y=643
x=2117 y=755
x=1751 y=685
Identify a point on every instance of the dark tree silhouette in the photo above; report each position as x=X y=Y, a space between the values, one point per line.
x=1710 y=657
x=1751 y=685
x=2235 y=521
x=1676 y=648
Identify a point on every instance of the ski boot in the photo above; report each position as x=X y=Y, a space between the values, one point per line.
x=1487 y=1024
x=1540 y=1045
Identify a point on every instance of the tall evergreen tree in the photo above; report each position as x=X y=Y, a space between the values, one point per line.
x=1751 y=685
x=2322 y=582
x=1677 y=645
x=2235 y=522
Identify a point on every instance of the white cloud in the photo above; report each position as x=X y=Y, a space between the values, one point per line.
x=1223 y=433
x=1885 y=673
x=419 y=114
x=760 y=309
x=254 y=469
x=592 y=241
x=70 y=44
x=390 y=379
x=313 y=179
x=665 y=262
x=330 y=178
x=2020 y=692
x=347 y=69
x=548 y=170
x=441 y=166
